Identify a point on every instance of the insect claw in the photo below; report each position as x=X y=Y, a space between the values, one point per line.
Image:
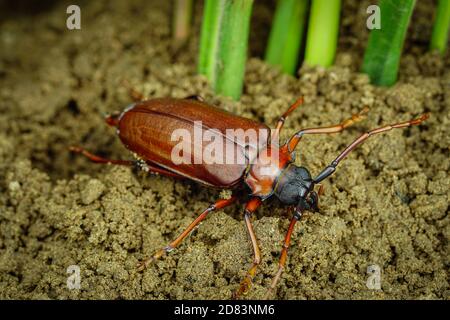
x=145 y=263
x=243 y=288
x=422 y=118
x=268 y=294
x=142 y=265
x=321 y=190
x=365 y=110
x=361 y=115
x=75 y=149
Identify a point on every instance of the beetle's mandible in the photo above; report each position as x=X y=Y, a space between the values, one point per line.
x=145 y=128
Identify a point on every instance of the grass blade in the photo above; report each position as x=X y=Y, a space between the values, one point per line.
x=439 y=39
x=181 y=21
x=286 y=35
x=208 y=38
x=223 y=44
x=384 y=48
x=323 y=30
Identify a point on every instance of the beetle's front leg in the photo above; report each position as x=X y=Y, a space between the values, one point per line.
x=220 y=204
x=250 y=207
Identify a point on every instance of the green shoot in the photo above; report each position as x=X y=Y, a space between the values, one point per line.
x=223 y=44
x=384 y=48
x=181 y=21
x=323 y=30
x=286 y=35
x=439 y=39
x=208 y=38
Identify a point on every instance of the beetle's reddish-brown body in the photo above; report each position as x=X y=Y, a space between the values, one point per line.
x=146 y=129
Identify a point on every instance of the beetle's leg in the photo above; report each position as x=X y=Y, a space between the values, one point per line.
x=250 y=207
x=321 y=189
x=195 y=97
x=140 y=164
x=98 y=159
x=332 y=167
x=220 y=204
x=135 y=95
x=276 y=132
x=295 y=139
x=283 y=256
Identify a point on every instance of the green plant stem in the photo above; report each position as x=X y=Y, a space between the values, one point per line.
x=384 y=48
x=208 y=38
x=323 y=30
x=181 y=21
x=439 y=39
x=286 y=35
x=223 y=44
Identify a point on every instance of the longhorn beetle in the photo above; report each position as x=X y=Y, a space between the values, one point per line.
x=146 y=126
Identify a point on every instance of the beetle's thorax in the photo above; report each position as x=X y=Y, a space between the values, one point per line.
x=294 y=186
x=262 y=175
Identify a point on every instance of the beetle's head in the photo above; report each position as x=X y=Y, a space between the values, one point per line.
x=295 y=187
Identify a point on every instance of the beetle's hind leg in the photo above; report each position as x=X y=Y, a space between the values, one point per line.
x=220 y=204
x=98 y=159
x=140 y=164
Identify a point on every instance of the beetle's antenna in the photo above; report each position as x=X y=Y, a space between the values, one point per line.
x=332 y=167
x=295 y=139
x=276 y=132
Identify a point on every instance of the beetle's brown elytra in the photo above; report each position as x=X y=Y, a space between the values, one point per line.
x=145 y=129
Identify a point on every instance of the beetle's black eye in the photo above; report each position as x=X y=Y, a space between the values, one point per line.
x=313 y=201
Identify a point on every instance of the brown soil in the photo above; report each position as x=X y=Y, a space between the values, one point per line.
x=386 y=205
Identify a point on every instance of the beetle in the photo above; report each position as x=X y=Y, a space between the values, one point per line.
x=146 y=126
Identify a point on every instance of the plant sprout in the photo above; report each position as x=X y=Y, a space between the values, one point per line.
x=439 y=39
x=323 y=29
x=286 y=35
x=382 y=56
x=223 y=44
x=181 y=21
